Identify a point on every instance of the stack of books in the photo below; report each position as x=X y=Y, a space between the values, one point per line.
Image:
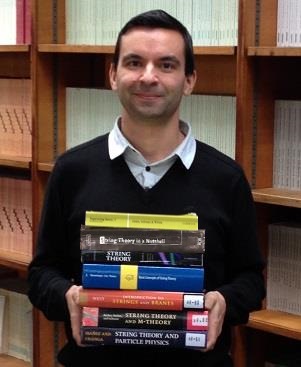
x=143 y=280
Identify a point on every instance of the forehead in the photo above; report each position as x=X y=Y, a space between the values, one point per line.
x=152 y=41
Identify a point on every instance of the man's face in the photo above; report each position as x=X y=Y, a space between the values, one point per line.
x=150 y=76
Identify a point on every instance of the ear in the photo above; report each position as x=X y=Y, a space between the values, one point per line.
x=189 y=83
x=112 y=76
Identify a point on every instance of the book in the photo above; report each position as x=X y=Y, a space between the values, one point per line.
x=143 y=337
x=141 y=220
x=129 y=239
x=145 y=319
x=110 y=276
x=144 y=300
x=142 y=258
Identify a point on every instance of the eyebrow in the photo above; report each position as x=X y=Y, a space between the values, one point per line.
x=131 y=56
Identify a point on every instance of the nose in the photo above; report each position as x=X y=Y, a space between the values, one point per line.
x=148 y=74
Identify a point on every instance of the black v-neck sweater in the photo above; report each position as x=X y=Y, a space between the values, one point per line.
x=84 y=178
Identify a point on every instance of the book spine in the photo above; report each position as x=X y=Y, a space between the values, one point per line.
x=144 y=300
x=143 y=277
x=141 y=220
x=128 y=239
x=143 y=337
x=123 y=318
x=142 y=258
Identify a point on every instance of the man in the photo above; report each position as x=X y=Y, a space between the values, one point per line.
x=150 y=163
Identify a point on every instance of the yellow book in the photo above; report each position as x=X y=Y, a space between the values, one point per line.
x=138 y=220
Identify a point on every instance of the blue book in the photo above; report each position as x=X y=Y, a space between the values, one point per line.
x=135 y=277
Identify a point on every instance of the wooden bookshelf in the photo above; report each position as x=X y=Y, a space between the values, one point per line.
x=16 y=162
x=255 y=71
x=275 y=196
x=276 y=322
x=8 y=361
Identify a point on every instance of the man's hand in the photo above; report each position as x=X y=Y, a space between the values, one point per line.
x=75 y=311
x=216 y=306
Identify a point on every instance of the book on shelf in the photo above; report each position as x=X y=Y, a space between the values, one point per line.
x=143 y=258
x=283 y=268
x=141 y=220
x=17 y=333
x=109 y=276
x=2 y=324
x=145 y=319
x=143 y=337
x=212 y=117
x=144 y=300
x=142 y=239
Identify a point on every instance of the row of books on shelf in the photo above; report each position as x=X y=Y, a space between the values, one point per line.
x=211 y=22
x=287 y=145
x=15 y=117
x=16 y=216
x=212 y=118
x=15 y=318
x=288 y=23
x=136 y=290
x=283 y=268
x=15 y=22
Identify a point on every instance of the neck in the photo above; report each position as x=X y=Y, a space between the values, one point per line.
x=155 y=141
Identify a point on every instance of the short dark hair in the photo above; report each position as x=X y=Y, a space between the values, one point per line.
x=159 y=19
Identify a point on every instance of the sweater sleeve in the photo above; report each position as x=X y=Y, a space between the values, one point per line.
x=245 y=289
x=48 y=274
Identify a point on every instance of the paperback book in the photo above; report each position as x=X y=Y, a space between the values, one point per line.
x=110 y=276
x=143 y=337
x=142 y=258
x=141 y=239
x=141 y=220
x=144 y=319
x=144 y=300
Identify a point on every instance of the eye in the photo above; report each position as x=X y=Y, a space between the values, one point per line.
x=168 y=66
x=133 y=64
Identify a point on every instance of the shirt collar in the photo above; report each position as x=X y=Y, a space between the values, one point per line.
x=118 y=144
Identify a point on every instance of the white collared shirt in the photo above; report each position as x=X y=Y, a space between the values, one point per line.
x=148 y=174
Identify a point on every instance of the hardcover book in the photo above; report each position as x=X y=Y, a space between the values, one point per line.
x=144 y=300
x=149 y=240
x=144 y=319
x=142 y=258
x=142 y=220
x=110 y=276
x=143 y=337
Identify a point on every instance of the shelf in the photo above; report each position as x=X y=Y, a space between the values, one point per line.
x=278 y=197
x=15 y=162
x=14 y=260
x=63 y=48
x=14 y=48
x=46 y=167
x=276 y=322
x=8 y=361
x=274 y=51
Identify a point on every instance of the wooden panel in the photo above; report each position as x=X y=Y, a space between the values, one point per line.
x=50 y=21
x=244 y=88
x=216 y=74
x=14 y=65
x=8 y=361
x=268 y=23
x=275 y=51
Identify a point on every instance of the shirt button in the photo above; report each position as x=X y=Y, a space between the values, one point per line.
x=147 y=168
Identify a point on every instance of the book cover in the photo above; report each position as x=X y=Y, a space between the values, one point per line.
x=110 y=276
x=144 y=319
x=142 y=220
x=143 y=337
x=129 y=239
x=144 y=300
x=142 y=258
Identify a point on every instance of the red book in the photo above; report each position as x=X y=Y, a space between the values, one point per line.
x=20 y=26
x=147 y=300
